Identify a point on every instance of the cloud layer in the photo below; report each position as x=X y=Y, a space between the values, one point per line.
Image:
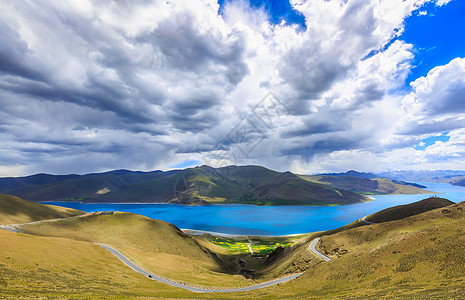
x=95 y=85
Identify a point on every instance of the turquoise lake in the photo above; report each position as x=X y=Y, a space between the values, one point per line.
x=267 y=220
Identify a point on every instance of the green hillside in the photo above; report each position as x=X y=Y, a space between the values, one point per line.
x=43 y=187
x=14 y=210
x=155 y=245
x=192 y=186
x=247 y=184
x=421 y=257
x=368 y=186
x=295 y=259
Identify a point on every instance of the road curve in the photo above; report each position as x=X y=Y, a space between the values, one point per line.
x=313 y=249
x=366 y=222
x=9 y=228
x=191 y=288
x=16 y=227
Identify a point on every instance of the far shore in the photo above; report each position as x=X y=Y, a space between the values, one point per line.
x=211 y=204
x=200 y=232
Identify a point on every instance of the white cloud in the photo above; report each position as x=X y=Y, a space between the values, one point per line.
x=437 y=102
x=442 y=2
x=93 y=85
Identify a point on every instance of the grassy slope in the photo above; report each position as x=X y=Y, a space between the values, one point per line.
x=422 y=256
x=78 y=186
x=365 y=185
x=267 y=187
x=15 y=210
x=158 y=246
x=36 y=267
x=290 y=189
x=200 y=185
x=296 y=259
x=407 y=210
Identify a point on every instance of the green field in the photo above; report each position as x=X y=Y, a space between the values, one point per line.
x=258 y=247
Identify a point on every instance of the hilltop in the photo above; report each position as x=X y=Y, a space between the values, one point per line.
x=192 y=186
x=367 y=183
x=16 y=210
x=407 y=210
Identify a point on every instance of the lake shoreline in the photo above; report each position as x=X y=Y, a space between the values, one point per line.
x=230 y=235
x=251 y=220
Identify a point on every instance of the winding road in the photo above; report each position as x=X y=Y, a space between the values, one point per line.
x=366 y=222
x=313 y=249
x=313 y=244
x=130 y=264
x=191 y=288
x=9 y=228
x=16 y=227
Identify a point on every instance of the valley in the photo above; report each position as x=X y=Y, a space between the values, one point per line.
x=402 y=246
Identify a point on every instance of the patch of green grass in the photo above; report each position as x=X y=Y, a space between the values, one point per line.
x=259 y=247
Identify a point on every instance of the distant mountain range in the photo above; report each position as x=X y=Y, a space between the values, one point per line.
x=367 y=183
x=206 y=185
x=441 y=176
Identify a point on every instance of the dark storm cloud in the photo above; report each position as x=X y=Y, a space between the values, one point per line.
x=15 y=57
x=323 y=144
x=451 y=101
x=308 y=75
x=317 y=124
x=185 y=48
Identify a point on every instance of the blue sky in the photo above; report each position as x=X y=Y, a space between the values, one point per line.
x=437 y=36
x=307 y=86
x=277 y=11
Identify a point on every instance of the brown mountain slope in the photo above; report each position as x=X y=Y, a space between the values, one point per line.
x=15 y=210
x=404 y=211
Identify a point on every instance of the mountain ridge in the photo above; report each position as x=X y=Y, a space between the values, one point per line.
x=204 y=185
x=193 y=186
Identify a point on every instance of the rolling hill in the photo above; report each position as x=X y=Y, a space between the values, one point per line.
x=367 y=183
x=15 y=210
x=407 y=210
x=192 y=186
x=153 y=244
x=421 y=256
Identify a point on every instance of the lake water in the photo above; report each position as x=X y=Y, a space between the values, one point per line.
x=268 y=220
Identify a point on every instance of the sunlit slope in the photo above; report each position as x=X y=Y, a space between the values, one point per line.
x=15 y=210
x=192 y=186
x=35 y=267
x=374 y=186
x=244 y=184
x=296 y=258
x=44 y=187
x=407 y=210
x=420 y=257
x=155 y=245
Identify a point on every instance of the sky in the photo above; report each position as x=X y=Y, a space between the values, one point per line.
x=307 y=86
